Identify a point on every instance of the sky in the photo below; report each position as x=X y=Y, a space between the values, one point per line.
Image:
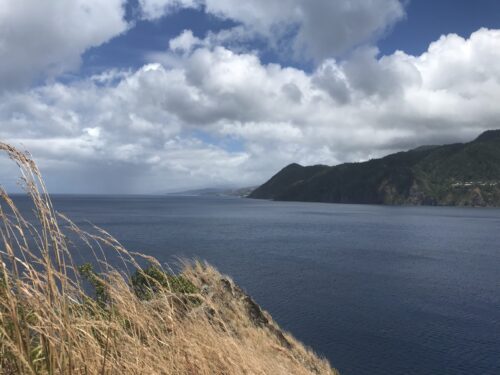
x=151 y=96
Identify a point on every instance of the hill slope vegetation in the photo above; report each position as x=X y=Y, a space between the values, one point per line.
x=462 y=174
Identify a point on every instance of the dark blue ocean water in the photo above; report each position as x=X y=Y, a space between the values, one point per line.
x=377 y=290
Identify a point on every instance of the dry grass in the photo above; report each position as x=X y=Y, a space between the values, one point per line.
x=51 y=324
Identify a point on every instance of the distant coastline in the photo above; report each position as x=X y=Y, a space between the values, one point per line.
x=216 y=192
x=462 y=174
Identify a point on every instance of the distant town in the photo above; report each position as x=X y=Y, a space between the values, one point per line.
x=475 y=183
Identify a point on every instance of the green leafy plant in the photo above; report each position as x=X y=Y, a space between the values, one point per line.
x=149 y=281
x=100 y=292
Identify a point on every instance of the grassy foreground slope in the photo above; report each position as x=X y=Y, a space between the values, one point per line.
x=58 y=318
x=462 y=174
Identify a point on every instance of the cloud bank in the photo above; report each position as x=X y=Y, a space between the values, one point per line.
x=222 y=117
x=42 y=39
x=203 y=114
x=309 y=29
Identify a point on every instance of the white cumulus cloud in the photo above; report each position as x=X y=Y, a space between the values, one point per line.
x=40 y=39
x=154 y=9
x=222 y=117
x=308 y=29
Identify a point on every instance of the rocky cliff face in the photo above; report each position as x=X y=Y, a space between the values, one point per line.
x=254 y=331
x=456 y=175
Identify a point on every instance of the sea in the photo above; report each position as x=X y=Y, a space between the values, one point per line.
x=374 y=289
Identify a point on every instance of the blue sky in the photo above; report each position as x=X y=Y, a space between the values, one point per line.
x=145 y=96
x=128 y=50
x=425 y=22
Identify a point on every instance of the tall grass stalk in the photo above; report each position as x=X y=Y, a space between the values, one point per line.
x=145 y=321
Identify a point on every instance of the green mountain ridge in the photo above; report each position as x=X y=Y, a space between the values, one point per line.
x=461 y=174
